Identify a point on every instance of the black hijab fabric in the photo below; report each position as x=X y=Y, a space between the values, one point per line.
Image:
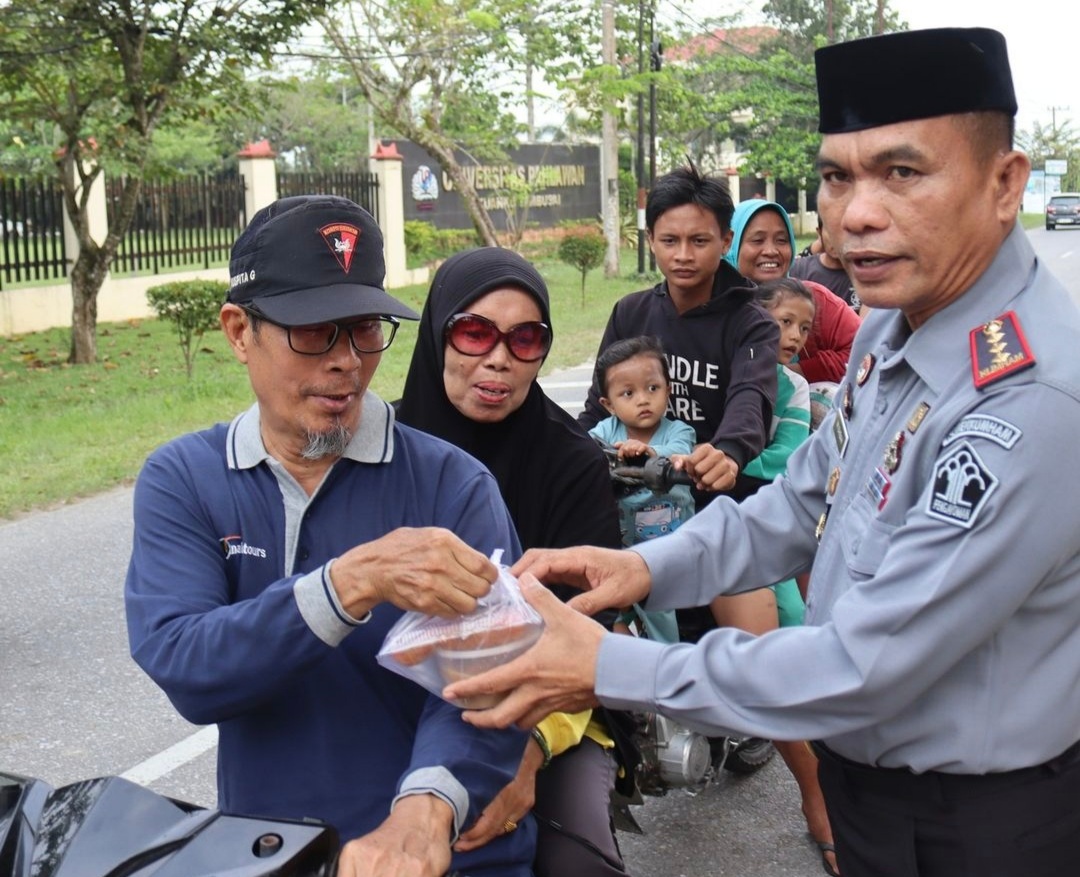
x=552 y=475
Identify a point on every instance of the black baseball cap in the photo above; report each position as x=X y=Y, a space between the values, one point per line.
x=917 y=74
x=312 y=259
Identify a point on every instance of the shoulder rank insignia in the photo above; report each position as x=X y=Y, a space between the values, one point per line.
x=998 y=348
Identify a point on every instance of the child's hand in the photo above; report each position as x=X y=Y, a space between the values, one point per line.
x=633 y=448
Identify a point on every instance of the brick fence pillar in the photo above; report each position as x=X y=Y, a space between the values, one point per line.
x=259 y=171
x=386 y=163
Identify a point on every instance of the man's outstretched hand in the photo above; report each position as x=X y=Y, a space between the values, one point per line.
x=558 y=674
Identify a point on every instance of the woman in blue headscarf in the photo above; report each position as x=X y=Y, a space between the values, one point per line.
x=762 y=249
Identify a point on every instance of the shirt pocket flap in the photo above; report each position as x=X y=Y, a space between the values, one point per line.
x=864 y=537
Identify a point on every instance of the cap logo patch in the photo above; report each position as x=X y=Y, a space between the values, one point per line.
x=341 y=238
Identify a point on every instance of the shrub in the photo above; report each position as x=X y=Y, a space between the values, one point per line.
x=583 y=250
x=419 y=237
x=426 y=243
x=453 y=240
x=192 y=306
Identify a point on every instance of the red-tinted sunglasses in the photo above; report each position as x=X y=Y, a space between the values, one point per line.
x=473 y=335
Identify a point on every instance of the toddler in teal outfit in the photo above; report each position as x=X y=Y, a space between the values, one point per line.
x=633 y=376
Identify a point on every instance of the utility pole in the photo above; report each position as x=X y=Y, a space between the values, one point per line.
x=1053 y=121
x=610 y=154
x=641 y=141
x=655 y=53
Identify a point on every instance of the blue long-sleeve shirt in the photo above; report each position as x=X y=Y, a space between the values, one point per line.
x=231 y=612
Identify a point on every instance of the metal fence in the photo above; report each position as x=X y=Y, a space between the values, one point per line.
x=31 y=230
x=361 y=187
x=189 y=222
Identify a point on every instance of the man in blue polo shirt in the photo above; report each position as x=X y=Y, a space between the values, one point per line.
x=272 y=554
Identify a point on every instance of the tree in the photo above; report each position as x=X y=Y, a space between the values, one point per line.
x=773 y=107
x=1053 y=141
x=756 y=85
x=105 y=74
x=583 y=250
x=805 y=25
x=726 y=86
x=193 y=307
x=315 y=119
x=446 y=73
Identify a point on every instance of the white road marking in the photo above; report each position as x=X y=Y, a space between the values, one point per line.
x=176 y=756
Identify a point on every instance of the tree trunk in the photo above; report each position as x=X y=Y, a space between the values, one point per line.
x=485 y=228
x=92 y=263
x=87 y=278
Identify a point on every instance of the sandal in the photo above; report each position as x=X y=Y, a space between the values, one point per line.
x=824 y=847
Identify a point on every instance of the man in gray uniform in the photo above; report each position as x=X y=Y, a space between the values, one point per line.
x=940 y=664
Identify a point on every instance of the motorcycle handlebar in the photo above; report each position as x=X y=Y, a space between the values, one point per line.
x=657 y=473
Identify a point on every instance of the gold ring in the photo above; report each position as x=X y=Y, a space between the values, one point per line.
x=509 y=826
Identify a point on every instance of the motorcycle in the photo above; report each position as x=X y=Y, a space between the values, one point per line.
x=672 y=756
x=110 y=827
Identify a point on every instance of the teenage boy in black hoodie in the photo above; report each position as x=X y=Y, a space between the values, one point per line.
x=721 y=347
x=722 y=351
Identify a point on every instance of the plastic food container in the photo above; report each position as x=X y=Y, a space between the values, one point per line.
x=456 y=664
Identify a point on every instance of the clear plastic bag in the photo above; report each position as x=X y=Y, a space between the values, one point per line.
x=434 y=651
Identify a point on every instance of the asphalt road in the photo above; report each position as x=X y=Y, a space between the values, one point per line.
x=73 y=705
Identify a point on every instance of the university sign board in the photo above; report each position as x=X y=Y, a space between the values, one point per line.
x=1056 y=167
x=541 y=184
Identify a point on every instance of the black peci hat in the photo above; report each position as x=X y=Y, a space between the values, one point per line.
x=911 y=75
x=312 y=259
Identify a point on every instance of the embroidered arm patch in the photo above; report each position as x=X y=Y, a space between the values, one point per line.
x=985 y=426
x=962 y=485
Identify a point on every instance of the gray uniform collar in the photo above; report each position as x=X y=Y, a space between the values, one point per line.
x=373 y=441
x=1010 y=272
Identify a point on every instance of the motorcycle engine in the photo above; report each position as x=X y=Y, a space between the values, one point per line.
x=671 y=756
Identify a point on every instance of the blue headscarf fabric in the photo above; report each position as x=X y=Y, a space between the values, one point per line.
x=744 y=210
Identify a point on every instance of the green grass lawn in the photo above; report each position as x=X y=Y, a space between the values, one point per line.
x=71 y=431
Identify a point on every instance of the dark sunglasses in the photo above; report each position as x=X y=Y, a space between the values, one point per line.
x=367 y=335
x=473 y=335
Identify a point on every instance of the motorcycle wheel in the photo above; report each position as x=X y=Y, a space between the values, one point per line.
x=744 y=755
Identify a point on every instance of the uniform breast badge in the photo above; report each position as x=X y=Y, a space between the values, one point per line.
x=840 y=434
x=893 y=451
x=999 y=348
x=878 y=487
x=820 y=529
x=917 y=416
x=866 y=365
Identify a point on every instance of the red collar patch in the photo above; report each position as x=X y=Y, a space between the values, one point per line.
x=998 y=348
x=341 y=238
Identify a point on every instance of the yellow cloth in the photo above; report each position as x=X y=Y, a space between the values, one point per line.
x=563 y=731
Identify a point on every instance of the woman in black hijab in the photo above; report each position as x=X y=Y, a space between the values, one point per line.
x=484 y=333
